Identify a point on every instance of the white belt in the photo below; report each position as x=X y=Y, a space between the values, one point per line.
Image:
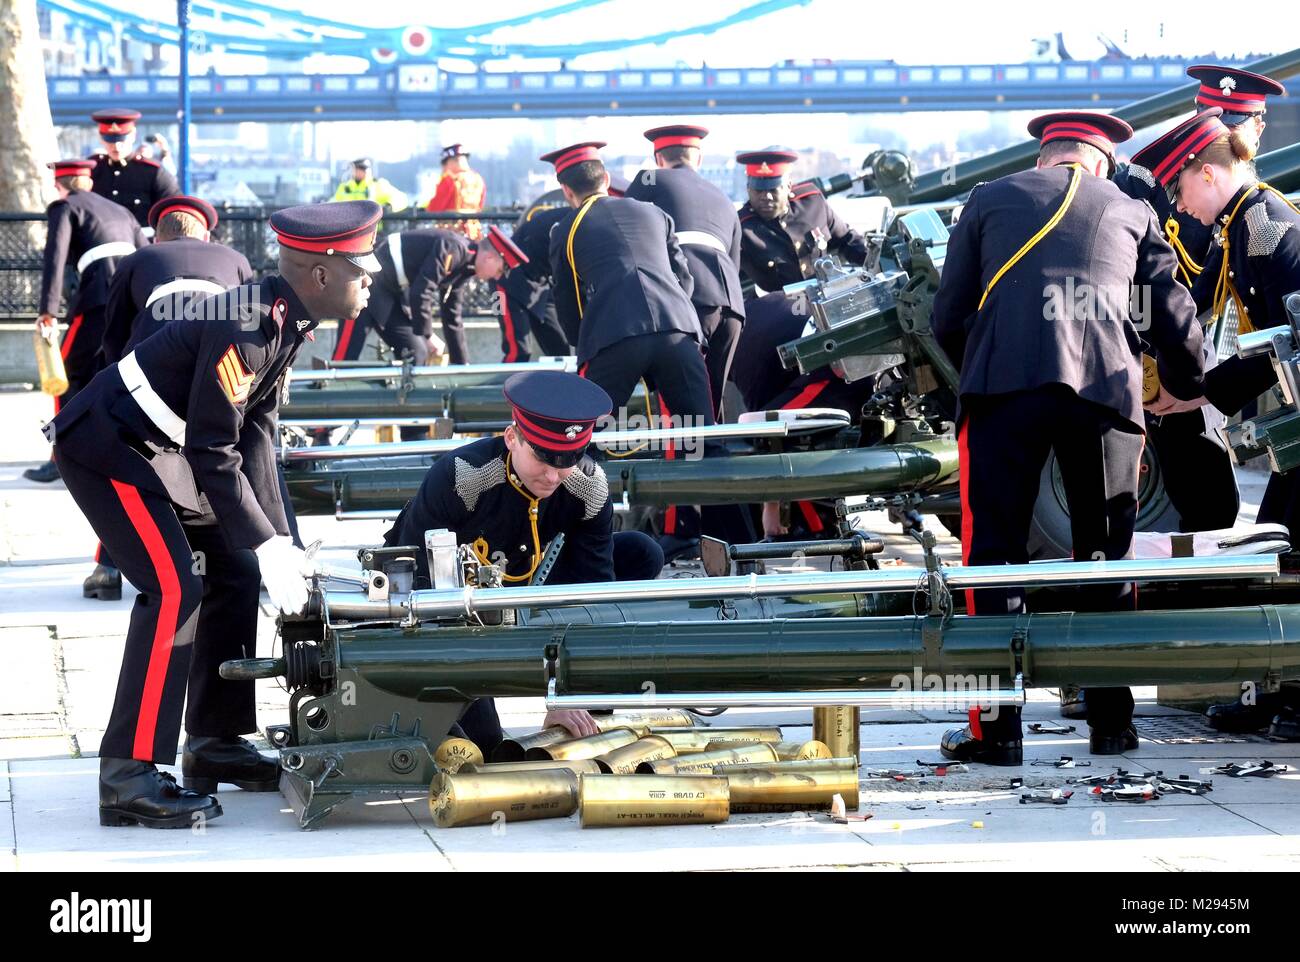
x=184 y=284
x=395 y=251
x=701 y=239
x=111 y=249
x=163 y=417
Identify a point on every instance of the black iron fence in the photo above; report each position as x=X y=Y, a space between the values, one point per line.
x=22 y=239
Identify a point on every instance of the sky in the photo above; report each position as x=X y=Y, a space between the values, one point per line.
x=949 y=31
x=918 y=32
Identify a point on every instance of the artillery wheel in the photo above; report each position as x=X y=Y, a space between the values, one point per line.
x=1049 y=535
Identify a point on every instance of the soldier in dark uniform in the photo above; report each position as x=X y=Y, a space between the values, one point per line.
x=170 y=453
x=708 y=231
x=509 y=496
x=1045 y=369
x=784 y=229
x=421 y=269
x=1206 y=168
x=121 y=174
x=93 y=235
x=622 y=293
x=1195 y=464
x=523 y=297
x=150 y=288
x=156 y=284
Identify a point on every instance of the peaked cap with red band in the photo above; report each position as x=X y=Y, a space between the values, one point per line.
x=115 y=125
x=508 y=249
x=1099 y=130
x=185 y=204
x=346 y=228
x=556 y=413
x=676 y=135
x=767 y=168
x=1168 y=155
x=566 y=157
x=1239 y=92
x=72 y=168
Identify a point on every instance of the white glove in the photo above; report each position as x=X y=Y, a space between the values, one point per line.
x=284 y=572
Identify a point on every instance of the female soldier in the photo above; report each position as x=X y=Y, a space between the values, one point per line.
x=1207 y=169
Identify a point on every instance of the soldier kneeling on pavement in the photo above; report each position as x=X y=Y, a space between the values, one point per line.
x=509 y=496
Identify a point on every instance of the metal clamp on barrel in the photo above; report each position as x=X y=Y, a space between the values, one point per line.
x=897 y=698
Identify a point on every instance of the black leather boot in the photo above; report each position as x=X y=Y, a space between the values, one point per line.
x=1237 y=718
x=104 y=583
x=208 y=760
x=47 y=472
x=679 y=549
x=1074 y=704
x=136 y=793
x=1112 y=742
x=961 y=746
x=1286 y=725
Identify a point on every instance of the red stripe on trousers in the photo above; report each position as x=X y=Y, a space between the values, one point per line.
x=670 y=454
x=508 y=323
x=963 y=469
x=169 y=607
x=810 y=517
x=802 y=399
x=71 y=336
x=967 y=520
x=345 y=338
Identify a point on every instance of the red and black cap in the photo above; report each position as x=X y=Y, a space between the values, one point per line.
x=618 y=185
x=115 y=125
x=1239 y=93
x=75 y=167
x=676 y=135
x=566 y=157
x=503 y=245
x=1168 y=155
x=556 y=413
x=1100 y=130
x=452 y=151
x=346 y=228
x=767 y=168
x=196 y=206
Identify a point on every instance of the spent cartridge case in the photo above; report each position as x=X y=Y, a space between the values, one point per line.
x=579 y=766
x=624 y=760
x=484 y=799
x=642 y=722
x=844 y=770
x=588 y=747
x=837 y=729
x=642 y=800
x=797 y=751
x=514 y=749
x=706 y=763
x=770 y=790
x=452 y=753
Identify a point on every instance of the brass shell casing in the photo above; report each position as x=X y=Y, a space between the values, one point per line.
x=452 y=753
x=624 y=760
x=643 y=800
x=588 y=747
x=482 y=799
x=706 y=763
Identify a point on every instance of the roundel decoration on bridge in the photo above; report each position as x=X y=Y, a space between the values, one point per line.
x=383 y=55
x=417 y=41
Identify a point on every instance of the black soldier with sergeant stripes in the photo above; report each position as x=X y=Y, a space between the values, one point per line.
x=170 y=452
